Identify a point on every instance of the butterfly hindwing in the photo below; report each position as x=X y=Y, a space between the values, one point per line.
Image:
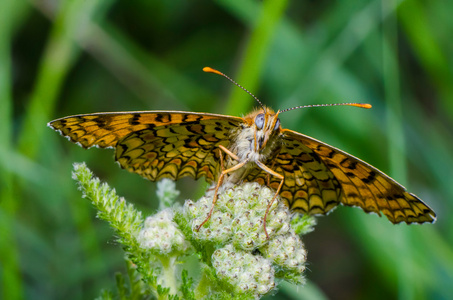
x=309 y=186
x=176 y=150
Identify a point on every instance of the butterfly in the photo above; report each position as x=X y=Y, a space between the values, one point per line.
x=310 y=176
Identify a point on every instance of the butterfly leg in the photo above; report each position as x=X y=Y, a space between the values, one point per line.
x=268 y=177
x=219 y=182
x=222 y=167
x=224 y=149
x=273 y=173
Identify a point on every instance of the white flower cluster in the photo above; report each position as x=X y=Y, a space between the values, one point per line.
x=238 y=216
x=287 y=252
x=160 y=234
x=244 y=272
x=237 y=224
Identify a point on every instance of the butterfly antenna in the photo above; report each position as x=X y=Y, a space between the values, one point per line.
x=361 y=105
x=211 y=70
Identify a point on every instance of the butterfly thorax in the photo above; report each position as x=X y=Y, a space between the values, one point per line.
x=254 y=141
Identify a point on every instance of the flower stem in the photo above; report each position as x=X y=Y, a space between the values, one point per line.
x=204 y=287
x=168 y=273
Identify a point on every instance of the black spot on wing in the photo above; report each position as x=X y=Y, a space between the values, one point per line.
x=135 y=120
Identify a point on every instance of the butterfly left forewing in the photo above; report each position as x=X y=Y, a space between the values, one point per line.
x=155 y=144
x=364 y=186
x=106 y=129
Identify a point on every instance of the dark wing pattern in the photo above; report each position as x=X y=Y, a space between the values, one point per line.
x=309 y=186
x=362 y=185
x=175 y=151
x=155 y=144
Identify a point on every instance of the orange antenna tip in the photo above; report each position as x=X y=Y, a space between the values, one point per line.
x=211 y=70
x=362 y=105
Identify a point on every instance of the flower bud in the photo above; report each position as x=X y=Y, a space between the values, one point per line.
x=160 y=234
x=244 y=272
x=288 y=253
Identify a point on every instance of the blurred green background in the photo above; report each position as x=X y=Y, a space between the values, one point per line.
x=59 y=58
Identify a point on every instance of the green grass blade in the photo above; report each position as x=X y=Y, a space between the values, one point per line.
x=433 y=58
x=59 y=56
x=255 y=54
x=11 y=285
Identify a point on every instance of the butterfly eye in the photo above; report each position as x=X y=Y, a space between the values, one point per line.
x=277 y=124
x=259 y=121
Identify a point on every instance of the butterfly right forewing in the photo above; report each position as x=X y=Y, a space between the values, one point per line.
x=366 y=187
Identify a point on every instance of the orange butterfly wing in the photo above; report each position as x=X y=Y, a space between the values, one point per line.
x=155 y=144
x=328 y=176
x=318 y=177
x=309 y=186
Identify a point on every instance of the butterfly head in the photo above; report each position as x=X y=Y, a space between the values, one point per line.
x=265 y=124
